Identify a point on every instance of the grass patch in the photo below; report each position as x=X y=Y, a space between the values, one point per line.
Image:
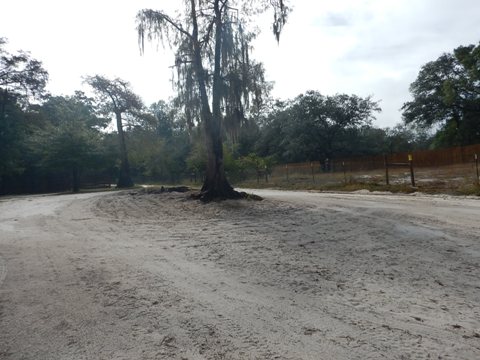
x=349 y=187
x=439 y=187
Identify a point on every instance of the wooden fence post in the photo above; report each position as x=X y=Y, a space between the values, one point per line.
x=385 y=161
x=476 y=167
x=313 y=174
x=286 y=170
x=412 y=176
x=344 y=173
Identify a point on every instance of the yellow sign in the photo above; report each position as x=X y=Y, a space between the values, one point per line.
x=410 y=157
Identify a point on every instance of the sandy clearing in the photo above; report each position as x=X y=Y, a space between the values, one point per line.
x=300 y=275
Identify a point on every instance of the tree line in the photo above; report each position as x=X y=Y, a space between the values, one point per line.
x=53 y=143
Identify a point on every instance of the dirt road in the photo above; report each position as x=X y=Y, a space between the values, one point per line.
x=134 y=275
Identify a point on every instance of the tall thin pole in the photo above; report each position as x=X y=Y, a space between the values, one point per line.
x=412 y=176
x=476 y=167
x=386 y=169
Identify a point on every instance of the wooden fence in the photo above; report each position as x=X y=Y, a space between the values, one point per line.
x=421 y=159
x=441 y=161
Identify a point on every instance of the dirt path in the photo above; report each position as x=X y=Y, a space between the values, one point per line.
x=297 y=276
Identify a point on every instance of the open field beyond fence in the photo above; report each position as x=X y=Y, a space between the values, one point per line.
x=452 y=169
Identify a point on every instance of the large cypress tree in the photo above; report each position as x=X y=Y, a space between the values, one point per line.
x=211 y=44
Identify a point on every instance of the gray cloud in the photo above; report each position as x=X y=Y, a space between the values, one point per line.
x=333 y=20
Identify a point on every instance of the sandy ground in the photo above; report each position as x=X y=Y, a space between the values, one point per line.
x=299 y=275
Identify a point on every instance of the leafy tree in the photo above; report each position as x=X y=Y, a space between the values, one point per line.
x=20 y=74
x=196 y=160
x=21 y=79
x=211 y=46
x=446 y=94
x=162 y=120
x=247 y=138
x=13 y=134
x=69 y=140
x=159 y=144
x=316 y=127
x=259 y=165
x=116 y=97
x=363 y=140
x=60 y=109
x=402 y=138
x=148 y=155
x=273 y=138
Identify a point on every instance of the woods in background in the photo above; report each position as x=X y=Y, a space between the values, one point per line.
x=56 y=143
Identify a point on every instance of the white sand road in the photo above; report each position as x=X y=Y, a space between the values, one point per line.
x=137 y=275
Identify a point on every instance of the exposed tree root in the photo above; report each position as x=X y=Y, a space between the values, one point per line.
x=159 y=190
x=210 y=195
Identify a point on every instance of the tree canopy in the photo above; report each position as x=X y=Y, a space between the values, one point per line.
x=446 y=93
x=68 y=140
x=21 y=79
x=20 y=74
x=316 y=127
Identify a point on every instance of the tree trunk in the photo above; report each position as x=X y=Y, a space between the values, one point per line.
x=124 y=179
x=216 y=185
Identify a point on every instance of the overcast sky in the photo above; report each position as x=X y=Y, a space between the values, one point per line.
x=364 y=47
